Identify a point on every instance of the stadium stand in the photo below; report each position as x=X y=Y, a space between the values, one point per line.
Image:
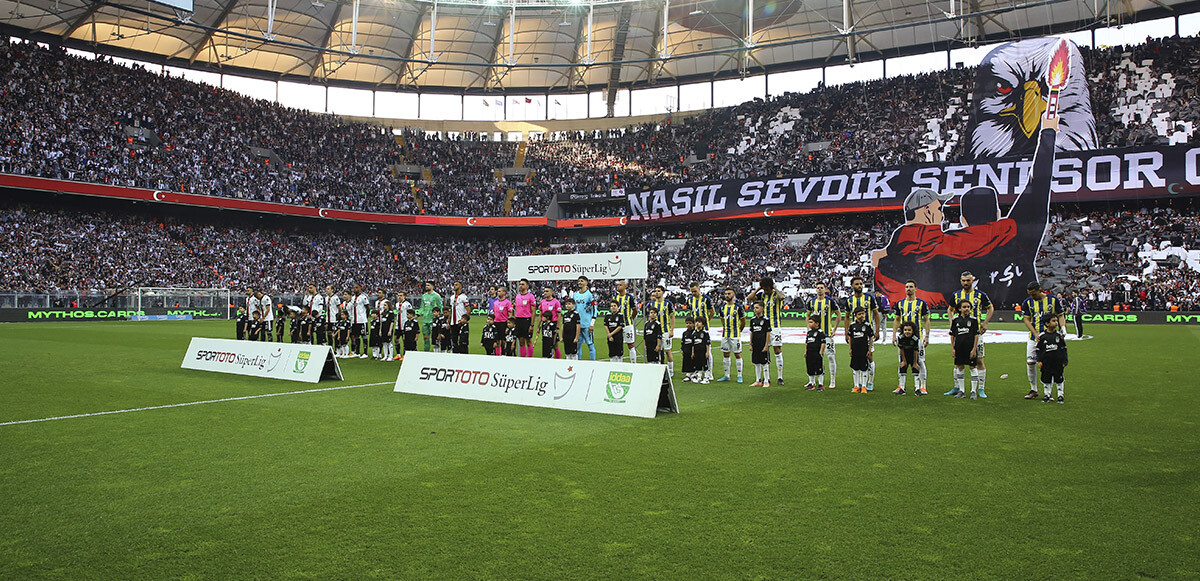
x=96 y=121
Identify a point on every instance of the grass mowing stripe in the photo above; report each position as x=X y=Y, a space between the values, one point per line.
x=189 y=403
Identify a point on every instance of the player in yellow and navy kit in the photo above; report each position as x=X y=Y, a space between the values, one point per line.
x=914 y=310
x=981 y=310
x=666 y=316
x=701 y=309
x=733 y=320
x=866 y=302
x=628 y=308
x=829 y=320
x=772 y=301
x=1035 y=311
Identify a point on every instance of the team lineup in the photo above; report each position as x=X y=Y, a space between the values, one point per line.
x=355 y=324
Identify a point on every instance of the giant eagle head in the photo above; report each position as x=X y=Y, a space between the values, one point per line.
x=1011 y=95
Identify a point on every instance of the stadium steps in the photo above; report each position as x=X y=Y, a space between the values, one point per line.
x=426 y=175
x=520 y=161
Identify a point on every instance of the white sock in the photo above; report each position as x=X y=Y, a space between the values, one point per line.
x=1032 y=372
x=974 y=379
x=779 y=364
x=739 y=366
x=727 y=367
x=757 y=373
x=708 y=371
x=959 y=377
x=871 y=373
x=982 y=377
x=832 y=367
x=1060 y=388
x=1047 y=388
x=615 y=359
x=904 y=380
x=633 y=355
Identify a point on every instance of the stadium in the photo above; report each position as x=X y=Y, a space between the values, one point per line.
x=574 y=289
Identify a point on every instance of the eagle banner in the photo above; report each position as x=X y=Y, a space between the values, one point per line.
x=1079 y=176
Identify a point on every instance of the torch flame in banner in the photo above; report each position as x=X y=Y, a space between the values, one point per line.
x=1056 y=76
x=1060 y=67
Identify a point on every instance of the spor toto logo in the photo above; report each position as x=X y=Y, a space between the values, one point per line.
x=467 y=376
x=610 y=268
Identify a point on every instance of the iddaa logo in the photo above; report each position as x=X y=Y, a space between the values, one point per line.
x=619 y=383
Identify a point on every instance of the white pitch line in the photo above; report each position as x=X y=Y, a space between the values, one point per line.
x=179 y=405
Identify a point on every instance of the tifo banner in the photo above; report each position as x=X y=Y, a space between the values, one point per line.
x=1079 y=176
x=598 y=265
x=101 y=314
x=625 y=389
x=997 y=248
x=293 y=362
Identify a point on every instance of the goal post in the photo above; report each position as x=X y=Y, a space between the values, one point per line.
x=209 y=299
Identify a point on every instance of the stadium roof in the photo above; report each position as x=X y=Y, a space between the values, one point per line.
x=508 y=45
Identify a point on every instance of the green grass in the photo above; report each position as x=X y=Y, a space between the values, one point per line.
x=745 y=483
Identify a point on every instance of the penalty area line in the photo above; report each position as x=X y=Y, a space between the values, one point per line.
x=191 y=403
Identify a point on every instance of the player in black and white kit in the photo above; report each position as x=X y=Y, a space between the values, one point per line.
x=267 y=309
x=458 y=307
x=251 y=309
x=331 y=306
x=316 y=309
x=360 y=303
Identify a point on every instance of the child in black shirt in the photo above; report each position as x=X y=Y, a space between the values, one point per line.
x=255 y=330
x=462 y=334
x=814 y=354
x=549 y=333
x=488 y=337
x=387 y=330
x=687 y=344
x=375 y=335
x=614 y=325
x=243 y=324
x=411 y=329
x=760 y=331
x=652 y=332
x=510 y=338
x=440 y=329
x=859 y=335
x=1051 y=352
x=909 y=346
x=570 y=328
x=964 y=331
x=341 y=334
x=699 y=343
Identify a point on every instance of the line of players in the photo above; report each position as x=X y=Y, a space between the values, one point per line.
x=356 y=324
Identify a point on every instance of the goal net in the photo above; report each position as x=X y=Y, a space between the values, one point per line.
x=209 y=301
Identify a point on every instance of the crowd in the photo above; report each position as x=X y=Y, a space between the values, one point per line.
x=1139 y=259
x=66 y=117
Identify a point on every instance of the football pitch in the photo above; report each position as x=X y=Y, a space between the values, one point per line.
x=776 y=483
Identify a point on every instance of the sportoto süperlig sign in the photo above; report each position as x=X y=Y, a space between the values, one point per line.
x=598 y=265
x=587 y=386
